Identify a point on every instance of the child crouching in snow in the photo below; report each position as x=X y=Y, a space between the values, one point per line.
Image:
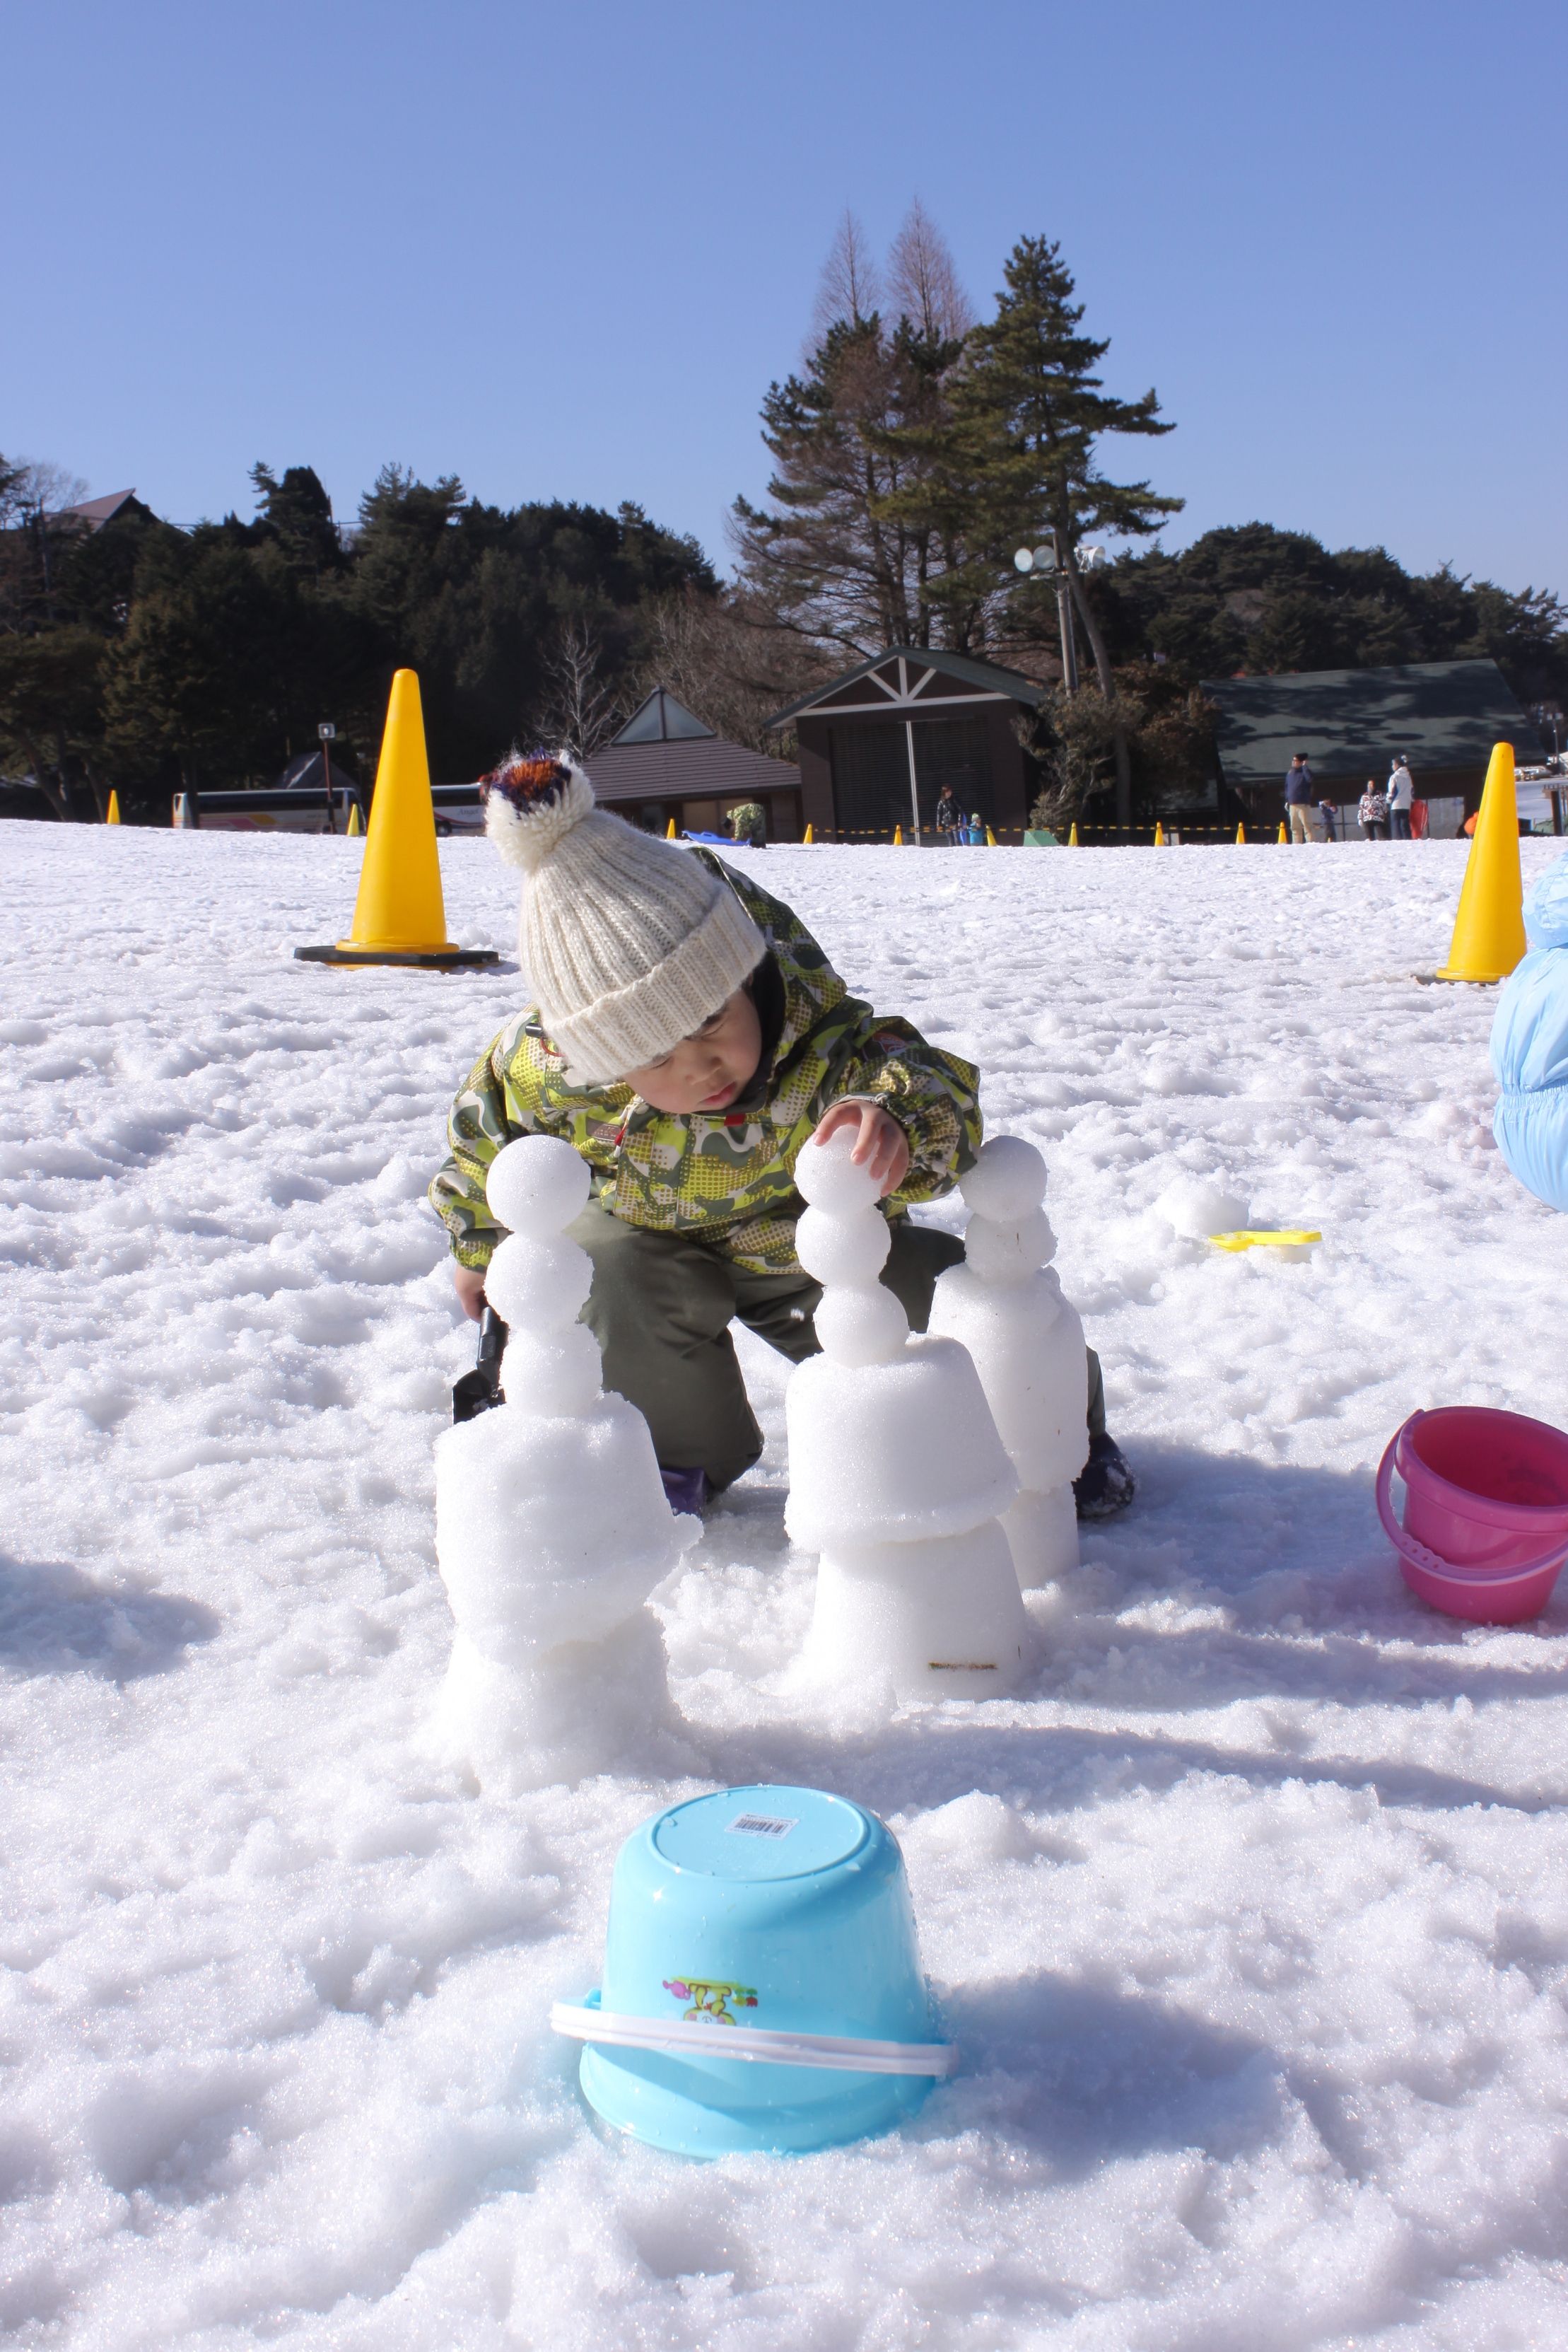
x=689 y=1036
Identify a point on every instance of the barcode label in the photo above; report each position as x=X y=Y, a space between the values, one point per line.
x=759 y=1825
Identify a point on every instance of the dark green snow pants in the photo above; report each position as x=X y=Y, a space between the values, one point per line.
x=660 y=1309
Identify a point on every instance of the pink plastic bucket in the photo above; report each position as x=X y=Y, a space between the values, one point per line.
x=1485 y=1510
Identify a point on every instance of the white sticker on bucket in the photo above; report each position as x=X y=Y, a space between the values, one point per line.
x=761 y=1826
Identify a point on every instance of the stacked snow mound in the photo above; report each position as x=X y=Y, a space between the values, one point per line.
x=551 y=1522
x=896 y=1472
x=1004 y=1305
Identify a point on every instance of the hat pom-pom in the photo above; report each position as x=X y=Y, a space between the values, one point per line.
x=531 y=804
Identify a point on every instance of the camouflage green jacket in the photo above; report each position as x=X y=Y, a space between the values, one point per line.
x=726 y=1175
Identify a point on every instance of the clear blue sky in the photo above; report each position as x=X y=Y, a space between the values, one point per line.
x=561 y=251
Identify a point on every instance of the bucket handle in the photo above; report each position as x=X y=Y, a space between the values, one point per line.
x=586 y=2021
x=1433 y=1562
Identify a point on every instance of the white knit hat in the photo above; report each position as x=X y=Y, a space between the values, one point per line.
x=629 y=942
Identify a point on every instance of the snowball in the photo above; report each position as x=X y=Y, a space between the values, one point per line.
x=552 y=1374
x=1026 y=1344
x=829 y=1179
x=843 y=1249
x=1009 y=1252
x=1007 y=1181
x=539 y=1285
x=862 y=1325
x=890 y=1452
x=537 y=1186
x=1195 y=1209
x=941 y=1617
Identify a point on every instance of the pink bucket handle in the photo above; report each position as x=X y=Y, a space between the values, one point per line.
x=1433 y=1562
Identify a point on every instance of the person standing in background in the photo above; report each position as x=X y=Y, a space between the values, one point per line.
x=1401 y=794
x=950 y=819
x=1329 y=812
x=1373 y=812
x=1301 y=797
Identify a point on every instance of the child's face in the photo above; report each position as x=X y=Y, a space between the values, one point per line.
x=706 y=1070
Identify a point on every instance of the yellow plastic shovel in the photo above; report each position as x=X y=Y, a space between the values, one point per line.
x=1245 y=1240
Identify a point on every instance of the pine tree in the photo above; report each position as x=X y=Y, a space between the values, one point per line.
x=1028 y=410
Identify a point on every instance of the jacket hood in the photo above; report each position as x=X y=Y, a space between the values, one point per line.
x=1546 y=908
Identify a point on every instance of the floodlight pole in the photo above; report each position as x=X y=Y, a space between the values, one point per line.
x=325 y=734
x=1064 y=617
x=1048 y=558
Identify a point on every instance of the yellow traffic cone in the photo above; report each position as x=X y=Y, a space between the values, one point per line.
x=1488 y=929
x=399 y=916
x=113 y=816
x=1241 y=837
x=356 y=824
x=670 y=830
x=1159 y=834
x=990 y=838
x=808 y=838
x=1073 y=842
x=1284 y=836
x=898 y=836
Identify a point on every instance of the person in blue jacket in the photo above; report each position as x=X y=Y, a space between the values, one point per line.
x=1530 y=1048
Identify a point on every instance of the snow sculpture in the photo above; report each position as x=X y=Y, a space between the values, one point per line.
x=1004 y=1305
x=896 y=1471
x=551 y=1524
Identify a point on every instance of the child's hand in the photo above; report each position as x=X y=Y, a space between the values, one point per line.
x=469 y=1284
x=881 y=1143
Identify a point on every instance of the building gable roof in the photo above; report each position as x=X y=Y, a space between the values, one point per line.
x=909 y=678
x=1350 y=722
x=662 y=720
x=96 y=512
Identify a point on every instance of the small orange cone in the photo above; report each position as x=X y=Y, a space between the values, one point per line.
x=1073 y=842
x=1241 y=837
x=356 y=825
x=113 y=816
x=670 y=830
x=1488 y=929
x=898 y=836
x=1159 y=834
x=399 y=916
x=990 y=838
x=807 y=838
x=1284 y=834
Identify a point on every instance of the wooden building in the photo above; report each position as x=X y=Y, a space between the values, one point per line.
x=664 y=763
x=1444 y=715
x=877 y=745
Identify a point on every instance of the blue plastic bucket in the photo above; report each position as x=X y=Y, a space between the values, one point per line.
x=762 y=1988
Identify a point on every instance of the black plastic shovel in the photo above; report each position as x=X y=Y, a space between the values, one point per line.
x=477 y=1390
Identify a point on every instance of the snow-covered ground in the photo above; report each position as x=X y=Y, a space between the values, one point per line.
x=1251 y=1920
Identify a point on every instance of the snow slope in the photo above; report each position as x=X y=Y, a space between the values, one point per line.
x=1252 y=1920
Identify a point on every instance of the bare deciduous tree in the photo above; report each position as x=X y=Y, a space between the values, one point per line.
x=922 y=281
x=850 y=288
x=579 y=709
x=731 y=667
x=34 y=497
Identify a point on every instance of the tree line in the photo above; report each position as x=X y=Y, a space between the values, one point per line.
x=149 y=659
x=915 y=448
